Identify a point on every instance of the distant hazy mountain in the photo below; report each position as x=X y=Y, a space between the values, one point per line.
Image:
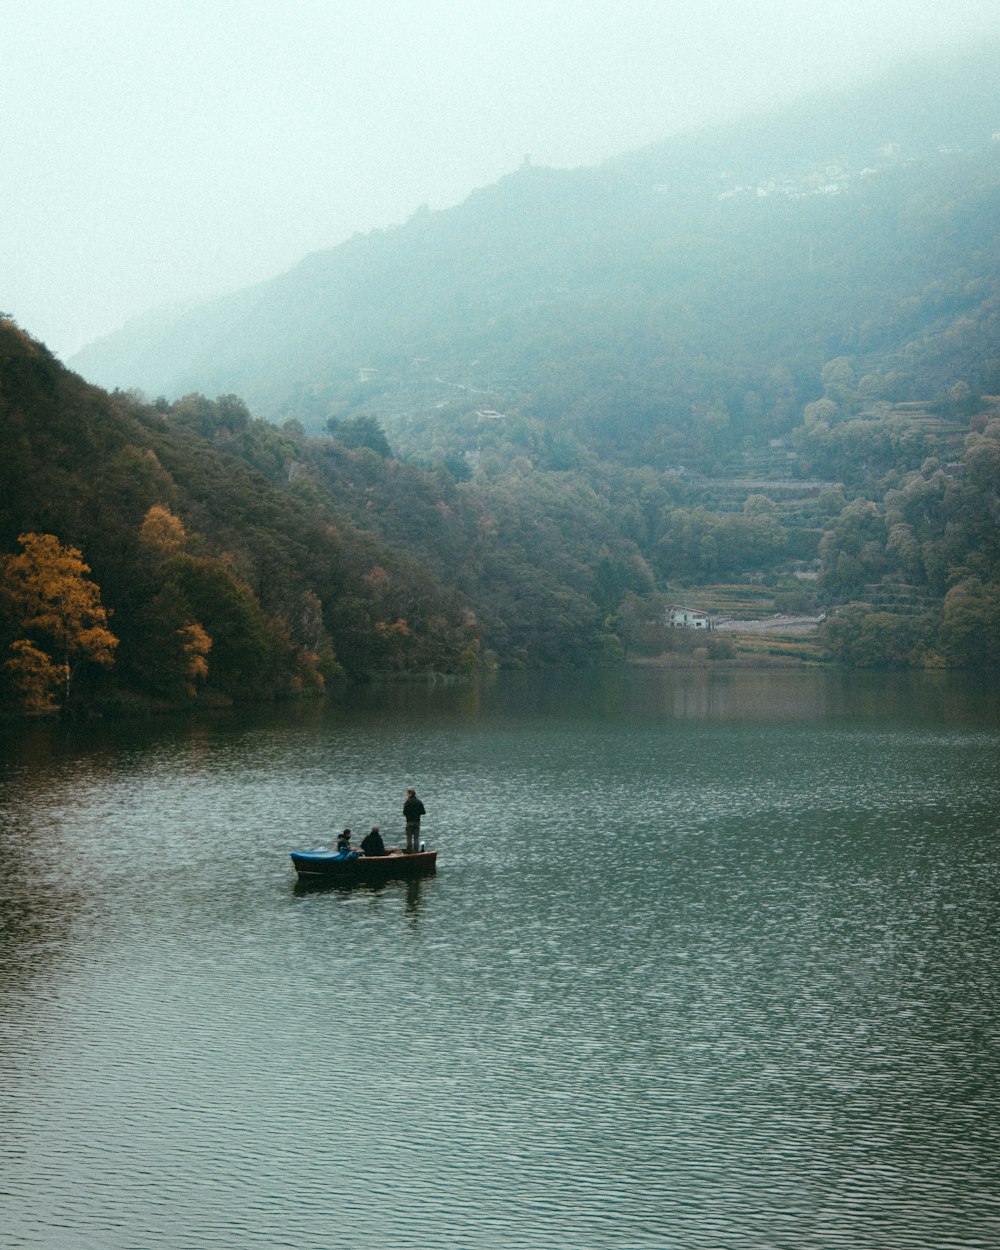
x=715 y=273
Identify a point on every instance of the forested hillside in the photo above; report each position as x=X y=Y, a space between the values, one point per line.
x=662 y=309
x=219 y=575
x=752 y=373
x=178 y=553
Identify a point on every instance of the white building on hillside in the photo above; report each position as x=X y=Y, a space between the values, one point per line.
x=687 y=618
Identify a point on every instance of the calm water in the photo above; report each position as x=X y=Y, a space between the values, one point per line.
x=710 y=961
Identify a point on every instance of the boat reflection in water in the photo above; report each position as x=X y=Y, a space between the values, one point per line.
x=407 y=890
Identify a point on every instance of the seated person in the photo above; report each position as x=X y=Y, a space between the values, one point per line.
x=372 y=843
x=344 y=848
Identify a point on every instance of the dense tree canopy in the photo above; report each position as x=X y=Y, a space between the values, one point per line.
x=54 y=607
x=514 y=432
x=241 y=561
x=214 y=542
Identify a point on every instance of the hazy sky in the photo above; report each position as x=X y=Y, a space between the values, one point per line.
x=173 y=149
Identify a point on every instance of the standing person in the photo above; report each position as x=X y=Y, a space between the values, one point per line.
x=413 y=809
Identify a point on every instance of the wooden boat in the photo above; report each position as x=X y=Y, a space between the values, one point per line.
x=323 y=864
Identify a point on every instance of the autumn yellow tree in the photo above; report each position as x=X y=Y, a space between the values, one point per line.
x=195 y=645
x=33 y=678
x=57 y=616
x=161 y=532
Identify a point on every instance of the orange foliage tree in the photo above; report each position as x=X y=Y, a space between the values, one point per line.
x=195 y=644
x=56 y=609
x=161 y=532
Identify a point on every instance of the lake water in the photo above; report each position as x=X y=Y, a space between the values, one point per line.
x=710 y=960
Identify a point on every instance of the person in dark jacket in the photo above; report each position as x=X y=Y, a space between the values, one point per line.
x=413 y=809
x=372 y=843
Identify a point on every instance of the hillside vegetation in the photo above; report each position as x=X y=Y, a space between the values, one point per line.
x=230 y=560
x=754 y=372
x=224 y=575
x=661 y=309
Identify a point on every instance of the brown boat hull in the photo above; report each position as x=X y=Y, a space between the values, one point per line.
x=325 y=866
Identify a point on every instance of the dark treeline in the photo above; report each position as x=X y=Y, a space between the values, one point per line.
x=222 y=576
x=169 y=553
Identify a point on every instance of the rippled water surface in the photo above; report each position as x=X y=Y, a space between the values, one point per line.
x=709 y=961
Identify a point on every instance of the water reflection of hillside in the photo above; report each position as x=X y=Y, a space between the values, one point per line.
x=36 y=916
x=814 y=695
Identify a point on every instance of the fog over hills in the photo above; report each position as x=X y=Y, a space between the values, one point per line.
x=718 y=271
x=743 y=380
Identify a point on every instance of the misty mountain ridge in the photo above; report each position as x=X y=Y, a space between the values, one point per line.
x=713 y=272
x=754 y=371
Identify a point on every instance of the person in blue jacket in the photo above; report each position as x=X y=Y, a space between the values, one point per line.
x=344 y=848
